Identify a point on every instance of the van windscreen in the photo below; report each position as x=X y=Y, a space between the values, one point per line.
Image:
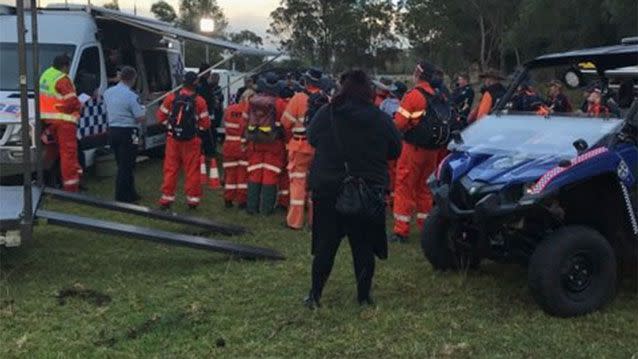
x=9 y=60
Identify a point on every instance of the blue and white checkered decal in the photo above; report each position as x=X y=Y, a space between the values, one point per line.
x=93 y=120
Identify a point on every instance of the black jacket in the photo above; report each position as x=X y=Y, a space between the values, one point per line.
x=462 y=98
x=214 y=97
x=369 y=137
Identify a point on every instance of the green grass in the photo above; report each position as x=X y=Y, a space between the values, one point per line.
x=177 y=302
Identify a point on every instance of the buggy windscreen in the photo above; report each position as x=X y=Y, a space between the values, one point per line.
x=533 y=136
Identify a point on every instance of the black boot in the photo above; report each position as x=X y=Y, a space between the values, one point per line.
x=367 y=301
x=268 y=199
x=228 y=204
x=254 y=195
x=311 y=301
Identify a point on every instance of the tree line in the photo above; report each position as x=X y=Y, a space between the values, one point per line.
x=375 y=34
x=389 y=35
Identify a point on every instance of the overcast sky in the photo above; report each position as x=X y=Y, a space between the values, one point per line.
x=242 y=14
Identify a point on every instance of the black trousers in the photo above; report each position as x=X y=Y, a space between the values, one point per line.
x=124 y=144
x=328 y=230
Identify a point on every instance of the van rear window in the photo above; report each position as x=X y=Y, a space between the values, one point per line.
x=9 y=60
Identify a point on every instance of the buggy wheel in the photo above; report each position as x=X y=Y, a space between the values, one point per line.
x=440 y=246
x=572 y=272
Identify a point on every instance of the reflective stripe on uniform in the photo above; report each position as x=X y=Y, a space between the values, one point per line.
x=271 y=168
x=299 y=130
x=232 y=125
x=58 y=116
x=192 y=199
x=72 y=182
x=283 y=193
x=230 y=186
x=421 y=215
x=203 y=115
x=164 y=110
x=167 y=198
x=233 y=138
x=265 y=166
x=242 y=186
x=293 y=118
x=410 y=115
x=230 y=164
x=401 y=217
x=243 y=163
x=297 y=175
x=297 y=202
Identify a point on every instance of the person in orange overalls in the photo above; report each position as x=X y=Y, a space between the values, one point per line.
x=493 y=92
x=283 y=187
x=184 y=113
x=60 y=110
x=295 y=119
x=265 y=158
x=390 y=106
x=415 y=164
x=234 y=152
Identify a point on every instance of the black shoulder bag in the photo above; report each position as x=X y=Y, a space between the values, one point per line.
x=356 y=198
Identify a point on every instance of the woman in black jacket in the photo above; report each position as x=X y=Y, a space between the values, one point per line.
x=369 y=139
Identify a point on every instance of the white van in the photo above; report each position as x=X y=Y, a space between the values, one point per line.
x=85 y=34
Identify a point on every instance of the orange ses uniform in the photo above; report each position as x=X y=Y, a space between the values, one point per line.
x=234 y=154
x=300 y=154
x=60 y=110
x=489 y=99
x=265 y=164
x=183 y=153
x=414 y=166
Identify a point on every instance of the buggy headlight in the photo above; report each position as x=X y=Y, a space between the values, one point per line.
x=527 y=188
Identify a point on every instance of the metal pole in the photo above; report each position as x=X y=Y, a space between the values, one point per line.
x=159 y=99
x=27 y=218
x=254 y=70
x=35 y=57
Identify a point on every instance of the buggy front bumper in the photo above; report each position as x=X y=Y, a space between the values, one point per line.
x=489 y=206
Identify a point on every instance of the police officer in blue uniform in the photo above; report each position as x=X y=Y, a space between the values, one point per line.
x=125 y=113
x=463 y=97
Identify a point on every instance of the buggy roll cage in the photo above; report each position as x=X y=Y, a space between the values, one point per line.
x=604 y=58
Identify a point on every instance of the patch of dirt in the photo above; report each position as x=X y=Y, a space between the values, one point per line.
x=88 y=295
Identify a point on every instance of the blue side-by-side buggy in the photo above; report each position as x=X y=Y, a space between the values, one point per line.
x=556 y=193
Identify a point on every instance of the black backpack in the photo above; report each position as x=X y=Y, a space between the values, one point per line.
x=315 y=102
x=437 y=124
x=182 y=123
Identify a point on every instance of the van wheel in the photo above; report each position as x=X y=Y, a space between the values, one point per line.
x=572 y=272
x=440 y=246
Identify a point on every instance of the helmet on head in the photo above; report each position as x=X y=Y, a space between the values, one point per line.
x=313 y=77
x=269 y=83
x=190 y=79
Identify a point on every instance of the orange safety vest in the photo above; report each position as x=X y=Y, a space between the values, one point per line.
x=51 y=100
